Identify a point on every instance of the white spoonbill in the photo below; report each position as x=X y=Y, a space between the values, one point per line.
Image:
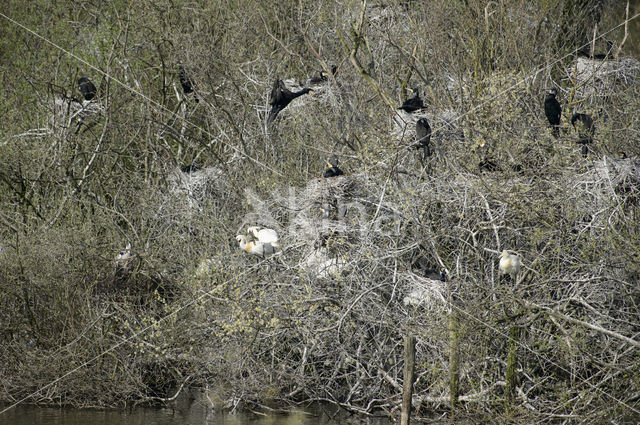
x=255 y=247
x=266 y=236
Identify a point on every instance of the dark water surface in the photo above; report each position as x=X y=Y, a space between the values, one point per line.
x=195 y=415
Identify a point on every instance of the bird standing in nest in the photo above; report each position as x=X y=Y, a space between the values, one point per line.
x=87 y=88
x=321 y=78
x=553 y=111
x=332 y=169
x=281 y=97
x=255 y=247
x=412 y=104
x=583 y=124
x=265 y=236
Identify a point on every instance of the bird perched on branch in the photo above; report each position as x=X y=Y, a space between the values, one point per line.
x=583 y=124
x=509 y=264
x=553 y=111
x=87 y=88
x=332 y=169
x=423 y=136
x=412 y=104
x=186 y=82
x=123 y=262
x=281 y=97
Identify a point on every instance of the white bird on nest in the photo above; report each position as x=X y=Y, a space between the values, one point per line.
x=255 y=247
x=509 y=264
x=265 y=236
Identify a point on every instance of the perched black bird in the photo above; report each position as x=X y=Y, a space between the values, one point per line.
x=435 y=275
x=585 y=129
x=281 y=97
x=423 y=136
x=185 y=81
x=87 y=88
x=553 y=111
x=412 y=104
x=332 y=169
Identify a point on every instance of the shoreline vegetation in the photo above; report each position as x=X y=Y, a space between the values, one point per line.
x=498 y=240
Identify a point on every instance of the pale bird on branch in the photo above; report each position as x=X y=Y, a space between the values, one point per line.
x=509 y=264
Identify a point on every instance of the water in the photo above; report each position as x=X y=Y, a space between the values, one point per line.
x=194 y=415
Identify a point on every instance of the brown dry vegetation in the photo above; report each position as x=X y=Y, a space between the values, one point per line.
x=323 y=320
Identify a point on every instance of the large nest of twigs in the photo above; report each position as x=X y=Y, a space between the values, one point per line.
x=194 y=187
x=618 y=177
x=321 y=190
x=332 y=214
x=598 y=77
x=316 y=225
x=428 y=294
x=70 y=113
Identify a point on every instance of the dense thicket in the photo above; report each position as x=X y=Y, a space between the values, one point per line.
x=178 y=175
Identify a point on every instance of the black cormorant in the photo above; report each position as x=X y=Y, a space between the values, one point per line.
x=412 y=104
x=322 y=77
x=332 y=169
x=186 y=82
x=423 y=136
x=87 y=88
x=281 y=97
x=585 y=129
x=553 y=111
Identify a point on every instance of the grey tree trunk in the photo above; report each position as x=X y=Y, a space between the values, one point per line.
x=512 y=361
x=409 y=378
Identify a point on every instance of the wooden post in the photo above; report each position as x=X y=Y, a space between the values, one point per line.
x=454 y=360
x=512 y=363
x=409 y=377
